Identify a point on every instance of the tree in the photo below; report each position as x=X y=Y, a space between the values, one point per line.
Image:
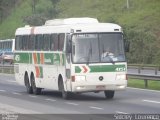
x=34 y=20
x=34 y=3
x=1 y=11
x=54 y=3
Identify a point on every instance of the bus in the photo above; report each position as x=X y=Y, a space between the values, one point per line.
x=6 y=50
x=66 y=55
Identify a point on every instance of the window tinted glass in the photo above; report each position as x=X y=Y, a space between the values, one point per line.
x=61 y=41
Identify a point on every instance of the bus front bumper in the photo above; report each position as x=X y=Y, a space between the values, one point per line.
x=98 y=88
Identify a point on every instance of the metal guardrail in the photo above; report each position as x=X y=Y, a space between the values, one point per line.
x=140 y=68
x=7 y=69
x=144 y=77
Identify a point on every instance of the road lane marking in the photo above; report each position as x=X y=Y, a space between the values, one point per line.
x=2 y=90
x=52 y=100
x=151 y=101
x=98 y=108
x=15 y=93
x=144 y=89
x=70 y=103
x=32 y=96
x=119 y=112
x=11 y=81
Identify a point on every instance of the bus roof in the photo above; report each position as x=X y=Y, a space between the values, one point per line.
x=6 y=40
x=70 y=25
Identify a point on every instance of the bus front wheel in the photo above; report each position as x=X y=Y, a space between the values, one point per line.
x=65 y=94
x=109 y=94
x=36 y=90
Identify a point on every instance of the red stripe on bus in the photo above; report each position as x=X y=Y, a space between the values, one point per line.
x=42 y=58
x=35 y=58
x=37 y=71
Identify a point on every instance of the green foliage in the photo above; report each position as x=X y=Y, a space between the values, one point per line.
x=140 y=21
x=35 y=20
x=154 y=85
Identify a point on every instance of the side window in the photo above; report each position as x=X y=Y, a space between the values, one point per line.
x=31 y=42
x=18 y=43
x=39 y=42
x=46 y=38
x=25 y=42
x=36 y=42
x=10 y=44
x=54 y=42
x=61 y=41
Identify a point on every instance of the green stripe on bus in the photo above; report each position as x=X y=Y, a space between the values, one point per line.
x=49 y=58
x=41 y=72
x=101 y=68
x=22 y=58
x=77 y=69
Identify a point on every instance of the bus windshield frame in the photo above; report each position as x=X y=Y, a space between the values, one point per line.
x=105 y=47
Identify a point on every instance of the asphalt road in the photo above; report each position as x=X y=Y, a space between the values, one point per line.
x=90 y=106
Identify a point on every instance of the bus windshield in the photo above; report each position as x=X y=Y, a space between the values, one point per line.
x=98 y=47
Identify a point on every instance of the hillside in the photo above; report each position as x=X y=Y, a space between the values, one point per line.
x=140 y=21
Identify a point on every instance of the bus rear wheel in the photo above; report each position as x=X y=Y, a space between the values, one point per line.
x=28 y=86
x=109 y=94
x=36 y=91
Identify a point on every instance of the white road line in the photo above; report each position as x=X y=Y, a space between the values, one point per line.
x=119 y=112
x=2 y=90
x=11 y=81
x=144 y=89
x=71 y=103
x=151 y=101
x=15 y=93
x=32 y=96
x=98 y=108
x=50 y=100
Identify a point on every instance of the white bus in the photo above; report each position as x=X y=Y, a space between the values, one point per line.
x=6 y=50
x=67 y=55
x=7 y=45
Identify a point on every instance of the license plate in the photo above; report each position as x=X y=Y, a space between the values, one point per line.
x=100 y=87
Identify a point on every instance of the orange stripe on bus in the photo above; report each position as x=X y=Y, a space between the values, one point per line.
x=37 y=71
x=35 y=58
x=42 y=58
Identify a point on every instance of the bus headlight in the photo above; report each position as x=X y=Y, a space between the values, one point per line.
x=121 y=77
x=78 y=78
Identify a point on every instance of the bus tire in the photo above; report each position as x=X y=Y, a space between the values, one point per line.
x=65 y=94
x=36 y=91
x=109 y=94
x=28 y=86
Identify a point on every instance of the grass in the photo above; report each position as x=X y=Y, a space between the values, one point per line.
x=153 y=85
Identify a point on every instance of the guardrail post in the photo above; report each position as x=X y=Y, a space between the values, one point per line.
x=146 y=83
x=139 y=69
x=156 y=69
x=2 y=69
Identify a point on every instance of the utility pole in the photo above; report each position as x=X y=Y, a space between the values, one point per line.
x=127 y=4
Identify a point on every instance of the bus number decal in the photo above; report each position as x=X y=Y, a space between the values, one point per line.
x=17 y=58
x=119 y=69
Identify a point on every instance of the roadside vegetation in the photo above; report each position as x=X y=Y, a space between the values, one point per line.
x=153 y=85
